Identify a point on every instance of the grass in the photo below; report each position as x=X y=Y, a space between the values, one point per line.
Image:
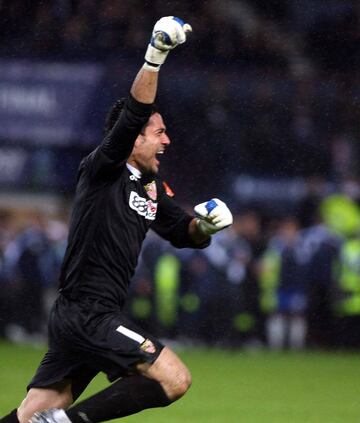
x=231 y=387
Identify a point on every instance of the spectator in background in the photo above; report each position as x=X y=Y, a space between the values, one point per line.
x=201 y=319
x=346 y=294
x=56 y=229
x=308 y=209
x=283 y=288
x=26 y=270
x=228 y=309
x=342 y=216
x=155 y=293
x=250 y=241
x=319 y=251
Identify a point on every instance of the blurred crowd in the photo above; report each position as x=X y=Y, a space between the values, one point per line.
x=274 y=84
x=266 y=33
x=32 y=247
x=107 y=29
x=290 y=281
x=272 y=90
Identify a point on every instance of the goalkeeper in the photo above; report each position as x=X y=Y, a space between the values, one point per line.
x=118 y=198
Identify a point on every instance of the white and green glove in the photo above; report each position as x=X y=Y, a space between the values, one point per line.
x=168 y=33
x=213 y=216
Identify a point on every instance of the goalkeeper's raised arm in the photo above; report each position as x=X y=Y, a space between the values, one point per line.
x=129 y=116
x=167 y=34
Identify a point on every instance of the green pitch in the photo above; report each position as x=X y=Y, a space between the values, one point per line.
x=231 y=387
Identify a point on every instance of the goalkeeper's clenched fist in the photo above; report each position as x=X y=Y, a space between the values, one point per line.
x=168 y=33
x=213 y=216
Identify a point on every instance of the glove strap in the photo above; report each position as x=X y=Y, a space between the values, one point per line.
x=154 y=56
x=151 y=67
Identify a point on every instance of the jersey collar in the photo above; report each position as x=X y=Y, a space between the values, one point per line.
x=134 y=171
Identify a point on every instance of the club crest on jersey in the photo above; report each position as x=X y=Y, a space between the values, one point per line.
x=142 y=206
x=151 y=190
x=148 y=346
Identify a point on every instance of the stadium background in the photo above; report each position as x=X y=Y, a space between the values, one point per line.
x=262 y=106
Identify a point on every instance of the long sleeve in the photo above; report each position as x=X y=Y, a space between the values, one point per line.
x=118 y=144
x=172 y=224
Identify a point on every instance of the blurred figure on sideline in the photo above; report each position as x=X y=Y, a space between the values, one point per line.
x=283 y=288
x=27 y=269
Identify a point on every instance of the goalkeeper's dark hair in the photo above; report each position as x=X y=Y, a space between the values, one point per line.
x=114 y=113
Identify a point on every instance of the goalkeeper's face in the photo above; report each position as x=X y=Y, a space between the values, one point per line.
x=150 y=146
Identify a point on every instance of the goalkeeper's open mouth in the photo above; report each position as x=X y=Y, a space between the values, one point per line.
x=157 y=156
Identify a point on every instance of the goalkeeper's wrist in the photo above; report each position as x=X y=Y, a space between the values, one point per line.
x=204 y=227
x=154 y=58
x=151 y=67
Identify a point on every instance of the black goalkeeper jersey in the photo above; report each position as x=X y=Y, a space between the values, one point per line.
x=113 y=210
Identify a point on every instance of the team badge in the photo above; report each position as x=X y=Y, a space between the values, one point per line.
x=151 y=190
x=142 y=206
x=148 y=346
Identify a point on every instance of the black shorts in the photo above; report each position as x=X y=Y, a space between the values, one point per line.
x=86 y=338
